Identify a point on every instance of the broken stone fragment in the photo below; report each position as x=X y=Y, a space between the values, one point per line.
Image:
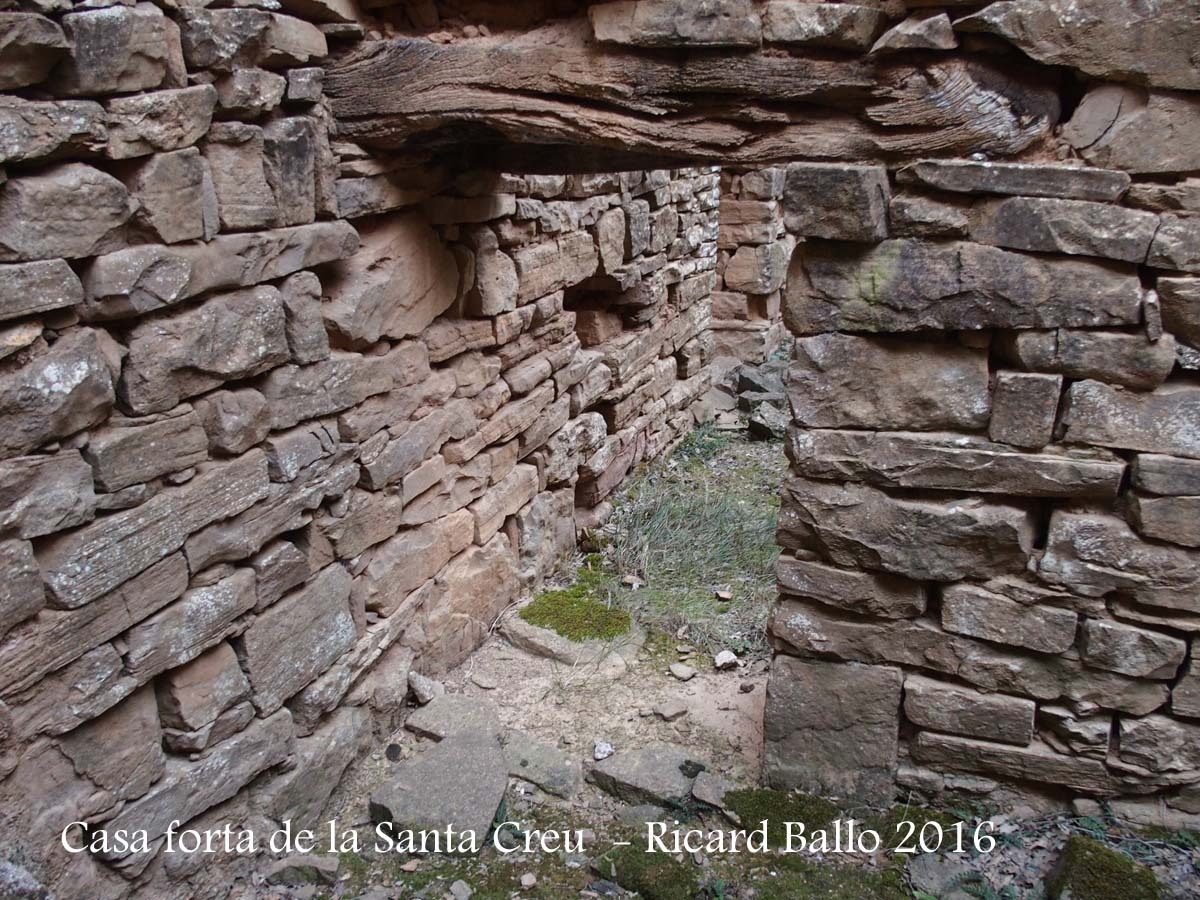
x=169 y=189
x=1165 y=421
x=1017 y=179
x=1024 y=407
x=234 y=421
x=931 y=31
x=21 y=593
x=69 y=210
x=660 y=774
x=225 y=39
x=1139 y=652
x=304 y=870
x=1138 y=131
x=548 y=767
x=250 y=92
x=1160 y=744
x=28 y=288
x=1109 y=39
x=1076 y=227
x=459 y=782
x=1177 y=244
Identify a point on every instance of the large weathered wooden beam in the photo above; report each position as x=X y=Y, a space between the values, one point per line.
x=556 y=87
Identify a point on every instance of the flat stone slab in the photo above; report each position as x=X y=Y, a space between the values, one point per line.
x=547 y=767
x=611 y=658
x=451 y=714
x=457 y=783
x=659 y=774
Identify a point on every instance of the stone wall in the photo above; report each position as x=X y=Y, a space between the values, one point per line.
x=991 y=550
x=281 y=418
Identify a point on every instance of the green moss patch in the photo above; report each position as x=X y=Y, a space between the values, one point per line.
x=798 y=879
x=777 y=808
x=1088 y=870
x=654 y=876
x=576 y=616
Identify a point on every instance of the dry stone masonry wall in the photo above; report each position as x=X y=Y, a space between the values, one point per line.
x=298 y=391
x=282 y=418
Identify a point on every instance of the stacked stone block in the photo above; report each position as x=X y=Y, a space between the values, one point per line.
x=988 y=531
x=283 y=418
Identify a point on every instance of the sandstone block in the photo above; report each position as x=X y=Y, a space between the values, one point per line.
x=250 y=93
x=131 y=451
x=949 y=707
x=553 y=265
x=845 y=203
x=29 y=288
x=479 y=584
x=759 y=269
x=952 y=462
x=504 y=499
x=918 y=643
x=169 y=188
x=973 y=611
x=919 y=32
x=92 y=679
x=235 y=154
x=1077 y=227
x=290 y=156
x=142 y=279
x=1024 y=408
x=938 y=540
x=1036 y=762
x=300 y=794
x=1160 y=744
x=40 y=495
x=1165 y=421
x=1081 y=549
x=189 y=787
x=234 y=421
x=838 y=381
x=1131 y=651
x=843 y=26
x=610 y=239
x=305 y=85
x=401 y=279
x=1167 y=476
x=296 y=393
x=1177 y=244
x=132 y=541
x=1139 y=131
x=1125 y=359
x=676 y=23
x=64 y=390
x=915 y=215
x=1185 y=696
x=1173 y=519
x=854 y=590
x=70 y=210
x=225 y=39
x=121 y=751
x=160 y=121
x=21 y=595
x=194 y=694
x=182 y=631
x=30 y=45
x=832 y=728
x=297 y=639
x=1109 y=39
x=229 y=336
x=405 y=562
x=304 y=327
x=116 y=50
x=1017 y=179
x=916 y=286
x=1180 y=299
x=36 y=130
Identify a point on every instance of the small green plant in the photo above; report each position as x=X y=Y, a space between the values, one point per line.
x=756 y=805
x=576 y=616
x=1088 y=870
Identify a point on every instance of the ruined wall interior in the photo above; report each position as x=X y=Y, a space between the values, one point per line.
x=294 y=397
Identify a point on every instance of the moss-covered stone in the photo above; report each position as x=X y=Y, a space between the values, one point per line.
x=654 y=876
x=575 y=615
x=1088 y=870
x=753 y=806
